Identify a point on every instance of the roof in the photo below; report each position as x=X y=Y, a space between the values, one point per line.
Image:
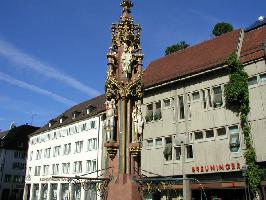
x=13 y=138
x=97 y=105
x=257 y=24
x=204 y=56
x=254 y=45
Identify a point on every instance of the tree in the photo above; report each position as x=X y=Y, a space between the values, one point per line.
x=176 y=47
x=222 y=28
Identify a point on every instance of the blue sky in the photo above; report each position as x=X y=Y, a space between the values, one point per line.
x=53 y=52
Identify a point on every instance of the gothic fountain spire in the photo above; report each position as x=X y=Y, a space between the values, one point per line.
x=127 y=5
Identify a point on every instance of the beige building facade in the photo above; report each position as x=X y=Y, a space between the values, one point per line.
x=185 y=108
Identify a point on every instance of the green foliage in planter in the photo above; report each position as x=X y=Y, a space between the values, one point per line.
x=237 y=96
x=167 y=151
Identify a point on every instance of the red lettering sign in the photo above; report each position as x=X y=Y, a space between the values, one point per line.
x=220 y=167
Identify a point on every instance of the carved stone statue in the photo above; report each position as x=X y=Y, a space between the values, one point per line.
x=110 y=120
x=138 y=123
x=126 y=60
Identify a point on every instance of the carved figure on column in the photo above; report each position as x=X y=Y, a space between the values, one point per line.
x=110 y=120
x=138 y=123
x=126 y=59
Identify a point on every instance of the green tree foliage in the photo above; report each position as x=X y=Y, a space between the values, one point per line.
x=222 y=28
x=176 y=47
x=237 y=96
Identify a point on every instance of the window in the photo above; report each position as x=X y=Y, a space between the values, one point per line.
x=47 y=153
x=217 y=96
x=37 y=171
x=78 y=146
x=189 y=151
x=20 y=166
x=158 y=142
x=94 y=143
x=66 y=168
x=61 y=120
x=92 y=124
x=209 y=98
x=166 y=102
x=158 y=112
x=29 y=171
x=195 y=96
x=53 y=191
x=252 y=81
x=168 y=149
x=234 y=139
x=16 y=179
x=263 y=78
x=178 y=153
x=221 y=131
x=77 y=167
x=209 y=134
x=94 y=166
x=31 y=155
x=88 y=165
x=181 y=107
x=56 y=151
x=67 y=149
x=204 y=99
x=39 y=154
x=55 y=169
x=198 y=135
x=8 y=178
x=45 y=170
x=149 y=113
x=149 y=143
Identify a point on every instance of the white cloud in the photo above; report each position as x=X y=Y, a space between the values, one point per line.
x=29 y=62
x=21 y=84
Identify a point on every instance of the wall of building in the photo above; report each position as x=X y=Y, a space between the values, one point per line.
x=90 y=155
x=219 y=126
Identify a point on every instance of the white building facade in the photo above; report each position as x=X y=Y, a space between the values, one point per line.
x=72 y=148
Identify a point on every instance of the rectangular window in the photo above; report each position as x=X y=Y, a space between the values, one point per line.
x=55 y=169
x=92 y=124
x=158 y=112
x=94 y=143
x=204 y=99
x=37 y=171
x=195 y=96
x=149 y=143
x=89 y=144
x=198 y=135
x=39 y=154
x=67 y=149
x=168 y=149
x=66 y=168
x=189 y=151
x=166 y=102
x=209 y=134
x=45 y=170
x=181 y=107
x=77 y=167
x=89 y=166
x=252 y=81
x=158 y=142
x=31 y=155
x=8 y=178
x=54 y=191
x=177 y=153
x=47 y=153
x=56 y=151
x=234 y=139
x=94 y=166
x=78 y=146
x=149 y=113
x=209 y=98
x=221 y=131
x=263 y=78
x=217 y=96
